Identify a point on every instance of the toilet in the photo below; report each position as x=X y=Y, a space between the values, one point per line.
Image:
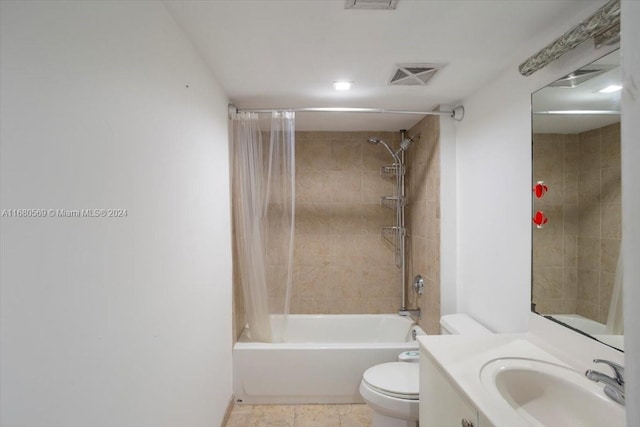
x=392 y=389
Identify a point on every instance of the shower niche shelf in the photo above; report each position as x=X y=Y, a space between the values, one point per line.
x=392 y=171
x=391 y=202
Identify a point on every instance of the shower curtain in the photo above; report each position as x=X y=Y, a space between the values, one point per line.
x=264 y=217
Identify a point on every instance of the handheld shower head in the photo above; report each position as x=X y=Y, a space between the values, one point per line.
x=376 y=141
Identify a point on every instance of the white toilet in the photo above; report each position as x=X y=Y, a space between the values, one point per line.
x=392 y=389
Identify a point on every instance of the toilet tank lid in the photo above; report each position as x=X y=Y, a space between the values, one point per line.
x=462 y=324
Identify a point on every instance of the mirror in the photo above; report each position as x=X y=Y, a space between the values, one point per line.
x=577 y=201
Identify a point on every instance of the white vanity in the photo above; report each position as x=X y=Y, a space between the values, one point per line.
x=514 y=380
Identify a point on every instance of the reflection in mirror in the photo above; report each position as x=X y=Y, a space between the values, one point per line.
x=576 y=155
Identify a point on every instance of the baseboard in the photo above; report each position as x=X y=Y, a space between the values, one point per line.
x=227 y=414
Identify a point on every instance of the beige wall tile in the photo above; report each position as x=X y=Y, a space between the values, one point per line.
x=610 y=148
x=570 y=252
x=382 y=305
x=346 y=186
x=570 y=188
x=606 y=290
x=312 y=249
x=589 y=219
x=312 y=186
x=545 y=282
x=609 y=252
x=418 y=180
x=341 y=263
x=570 y=283
x=346 y=152
x=311 y=281
x=347 y=218
x=611 y=221
x=313 y=151
x=589 y=150
x=587 y=309
x=583 y=174
x=374 y=186
x=610 y=191
x=312 y=218
x=570 y=216
x=375 y=217
x=569 y=305
x=588 y=253
x=305 y=305
x=589 y=287
x=419 y=219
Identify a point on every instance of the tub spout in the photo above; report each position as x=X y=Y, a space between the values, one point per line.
x=417 y=313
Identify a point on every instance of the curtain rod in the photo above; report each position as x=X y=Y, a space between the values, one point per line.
x=456 y=113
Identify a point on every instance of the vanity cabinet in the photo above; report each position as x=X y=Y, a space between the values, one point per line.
x=441 y=403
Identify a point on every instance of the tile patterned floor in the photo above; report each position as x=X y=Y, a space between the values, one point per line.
x=300 y=416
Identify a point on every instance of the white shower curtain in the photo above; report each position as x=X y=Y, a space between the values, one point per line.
x=264 y=217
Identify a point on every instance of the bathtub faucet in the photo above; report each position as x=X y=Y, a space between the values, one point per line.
x=417 y=313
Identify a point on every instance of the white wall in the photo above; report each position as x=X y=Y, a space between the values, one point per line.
x=113 y=321
x=493 y=166
x=630 y=130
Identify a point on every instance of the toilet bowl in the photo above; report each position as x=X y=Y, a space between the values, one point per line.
x=392 y=389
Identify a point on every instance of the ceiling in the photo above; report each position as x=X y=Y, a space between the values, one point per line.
x=583 y=97
x=287 y=53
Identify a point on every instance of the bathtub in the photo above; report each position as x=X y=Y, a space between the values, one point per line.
x=321 y=358
x=595 y=329
x=582 y=323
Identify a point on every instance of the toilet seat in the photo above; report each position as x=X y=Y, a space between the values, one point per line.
x=395 y=379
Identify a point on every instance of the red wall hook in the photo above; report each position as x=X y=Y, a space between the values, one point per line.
x=539 y=219
x=540 y=188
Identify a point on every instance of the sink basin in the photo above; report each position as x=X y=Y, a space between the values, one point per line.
x=550 y=395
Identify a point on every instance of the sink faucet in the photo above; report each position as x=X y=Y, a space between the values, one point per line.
x=411 y=313
x=614 y=387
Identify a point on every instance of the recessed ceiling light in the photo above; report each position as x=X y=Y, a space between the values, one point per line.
x=610 y=89
x=342 y=85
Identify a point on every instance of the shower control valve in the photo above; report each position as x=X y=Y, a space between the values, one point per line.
x=418 y=284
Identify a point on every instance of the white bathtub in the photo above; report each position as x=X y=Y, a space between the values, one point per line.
x=582 y=323
x=321 y=359
x=591 y=327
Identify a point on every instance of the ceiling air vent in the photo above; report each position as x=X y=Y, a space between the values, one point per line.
x=370 y=4
x=582 y=75
x=414 y=74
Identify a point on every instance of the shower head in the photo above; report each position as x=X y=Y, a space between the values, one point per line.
x=377 y=141
x=406 y=143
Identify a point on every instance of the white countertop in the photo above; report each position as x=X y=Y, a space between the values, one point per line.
x=462 y=357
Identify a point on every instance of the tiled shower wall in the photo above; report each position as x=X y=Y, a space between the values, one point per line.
x=341 y=264
x=423 y=220
x=575 y=254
